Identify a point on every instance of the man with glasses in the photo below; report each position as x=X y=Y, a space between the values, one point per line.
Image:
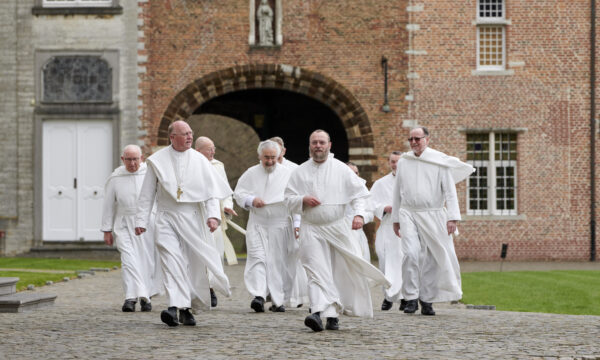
x=220 y=241
x=139 y=270
x=187 y=190
x=425 y=212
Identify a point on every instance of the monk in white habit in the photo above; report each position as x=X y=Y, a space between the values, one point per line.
x=269 y=234
x=219 y=238
x=387 y=246
x=140 y=272
x=320 y=189
x=425 y=213
x=296 y=274
x=359 y=235
x=187 y=190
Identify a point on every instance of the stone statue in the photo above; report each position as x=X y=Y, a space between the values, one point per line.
x=265 y=24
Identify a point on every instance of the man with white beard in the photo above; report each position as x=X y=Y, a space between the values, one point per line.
x=359 y=234
x=219 y=238
x=387 y=246
x=269 y=234
x=296 y=274
x=141 y=277
x=187 y=190
x=425 y=212
x=319 y=190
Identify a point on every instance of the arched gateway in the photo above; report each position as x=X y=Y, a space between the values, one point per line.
x=311 y=84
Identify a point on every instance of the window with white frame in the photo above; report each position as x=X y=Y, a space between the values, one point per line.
x=77 y=3
x=491 y=35
x=492 y=189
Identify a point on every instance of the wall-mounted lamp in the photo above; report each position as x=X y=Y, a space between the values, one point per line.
x=385 y=107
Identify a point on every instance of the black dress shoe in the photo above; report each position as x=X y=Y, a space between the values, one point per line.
x=145 y=305
x=299 y=305
x=274 y=308
x=411 y=306
x=186 y=317
x=314 y=322
x=213 y=298
x=129 y=305
x=386 y=305
x=332 y=324
x=402 y=304
x=169 y=316
x=426 y=308
x=258 y=304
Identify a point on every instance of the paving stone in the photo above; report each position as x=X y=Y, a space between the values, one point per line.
x=86 y=322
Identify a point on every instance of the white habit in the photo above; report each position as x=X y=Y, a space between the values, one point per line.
x=387 y=244
x=140 y=271
x=337 y=275
x=424 y=201
x=187 y=191
x=269 y=235
x=221 y=241
x=360 y=238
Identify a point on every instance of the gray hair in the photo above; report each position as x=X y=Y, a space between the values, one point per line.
x=425 y=130
x=268 y=144
x=130 y=147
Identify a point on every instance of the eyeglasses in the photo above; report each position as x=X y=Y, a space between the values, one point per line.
x=189 y=133
x=132 y=159
x=416 y=139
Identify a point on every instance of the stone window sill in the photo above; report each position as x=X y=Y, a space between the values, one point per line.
x=492 y=72
x=519 y=217
x=78 y=10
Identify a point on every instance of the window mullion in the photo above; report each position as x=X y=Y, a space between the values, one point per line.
x=492 y=175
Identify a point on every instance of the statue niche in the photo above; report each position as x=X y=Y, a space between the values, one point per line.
x=265 y=23
x=264 y=17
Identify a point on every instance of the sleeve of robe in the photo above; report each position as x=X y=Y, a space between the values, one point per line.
x=359 y=207
x=108 y=208
x=228 y=201
x=213 y=209
x=396 y=199
x=377 y=207
x=146 y=198
x=450 y=197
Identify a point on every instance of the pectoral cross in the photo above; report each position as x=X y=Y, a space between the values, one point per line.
x=179 y=192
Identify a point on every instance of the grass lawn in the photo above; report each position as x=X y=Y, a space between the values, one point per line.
x=67 y=266
x=559 y=292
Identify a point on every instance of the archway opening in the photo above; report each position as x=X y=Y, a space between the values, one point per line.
x=273 y=112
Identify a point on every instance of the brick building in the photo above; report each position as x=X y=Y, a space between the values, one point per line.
x=503 y=75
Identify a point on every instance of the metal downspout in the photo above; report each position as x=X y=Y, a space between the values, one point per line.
x=593 y=132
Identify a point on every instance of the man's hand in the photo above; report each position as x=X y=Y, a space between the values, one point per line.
x=108 y=238
x=387 y=210
x=230 y=211
x=357 y=222
x=212 y=223
x=139 y=231
x=451 y=225
x=397 y=229
x=257 y=202
x=297 y=232
x=310 y=201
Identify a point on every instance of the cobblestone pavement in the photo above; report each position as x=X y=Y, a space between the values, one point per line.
x=87 y=323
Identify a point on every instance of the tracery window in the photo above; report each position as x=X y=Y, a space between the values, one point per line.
x=77 y=79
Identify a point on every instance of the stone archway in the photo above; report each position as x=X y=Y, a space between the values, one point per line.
x=284 y=77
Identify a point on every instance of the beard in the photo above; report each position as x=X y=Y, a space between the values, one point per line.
x=269 y=169
x=319 y=156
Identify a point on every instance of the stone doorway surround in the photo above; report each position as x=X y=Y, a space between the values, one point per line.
x=284 y=77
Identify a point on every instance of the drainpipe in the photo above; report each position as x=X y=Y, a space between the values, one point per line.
x=593 y=132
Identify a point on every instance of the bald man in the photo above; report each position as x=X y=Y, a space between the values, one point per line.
x=206 y=147
x=141 y=280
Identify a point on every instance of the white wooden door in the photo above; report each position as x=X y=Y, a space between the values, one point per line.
x=77 y=160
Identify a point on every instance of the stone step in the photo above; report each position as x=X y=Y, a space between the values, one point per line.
x=8 y=285
x=24 y=301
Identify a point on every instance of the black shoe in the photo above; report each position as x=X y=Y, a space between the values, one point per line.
x=411 y=306
x=299 y=305
x=386 y=305
x=314 y=322
x=129 y=305
x=145 y=306
x=274 y=308
x=402 y=304
x=332 y=324
x=186 y=317
x=213 y=298
x=426 y=308
x=169 y=316
x=258 y=304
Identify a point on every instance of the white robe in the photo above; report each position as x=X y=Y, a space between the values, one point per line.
x=269 y=235
x=337 y=275
x=181 y=235
x=221 y=241
x=359 y=236
x=299 y=294
x=387 y=244
x=424 y=201
x=140 y=270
